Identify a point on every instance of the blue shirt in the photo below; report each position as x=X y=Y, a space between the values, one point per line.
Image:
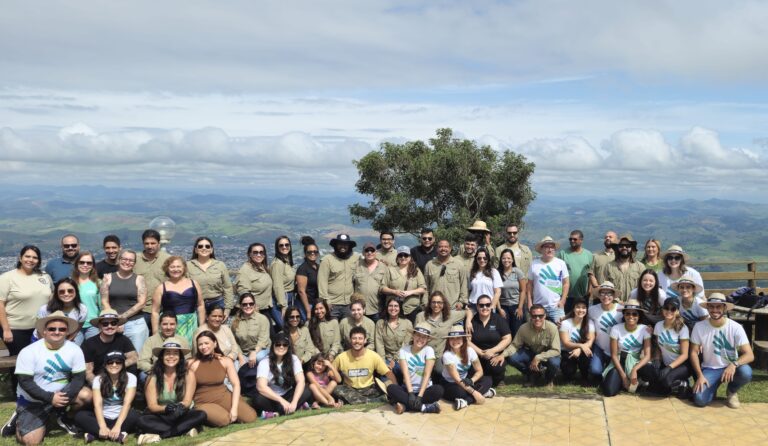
x=59 y=269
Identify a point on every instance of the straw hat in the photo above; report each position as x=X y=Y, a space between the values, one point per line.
x=107 y=315
x=633 y=304
x=171 y=343
x=675 y=249
x=72 y=325
x=686 y=280
x=423 y=328
x=456 y=331
x=606 y=285
x=717 y=298
x=546 y=241
x=479 y=225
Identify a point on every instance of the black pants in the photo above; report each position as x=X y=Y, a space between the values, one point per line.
x=569 y=366
x=21 y=339
x=86 y=420
x=260 y=402
x=454 y=390
x=164 y=426
x=662 y=379
x=612 y=382
x=399 y=394
x=495 y=372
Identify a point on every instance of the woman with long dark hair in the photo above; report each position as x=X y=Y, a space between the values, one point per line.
x=251 y=330
x=672 y=338
x=650 y=295
x=87 y=278
x=465 y=383
x=280 y=381
x=392 y=332
x=675 y=267
x=254 y=278
x=113 y=391
x=441 y=317
x=283 y=275
x=513 y=281
x=484 y=280
x=168 y=393
x=66 y=298
x=211 y=275
x=406 y=282
x=306 y=277
x=324 y=330
x=299 y=334
x=577 y=334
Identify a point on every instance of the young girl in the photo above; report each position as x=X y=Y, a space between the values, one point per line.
x=323 y=378
x=577 y=334
x=690 y=309
x=458 y=360
x=672 y=338
x=66 y=298
x=113 y=391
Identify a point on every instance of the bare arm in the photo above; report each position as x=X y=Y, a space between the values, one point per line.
x=131 y=358
x=141 y=298
x=104 y=291
x=157 y=298
x=200 y=304
x=7 y=334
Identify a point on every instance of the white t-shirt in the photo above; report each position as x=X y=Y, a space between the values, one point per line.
x=604 y=321
x=416 y=364
x=50 y=369
x=114 y=404
x=262 y=371
x=719 y=345
x=665 y=282
x=547 y=279
x=669 y=341
x=484 y=285
x=695 y=313
x=567 y=326
x=79 y=314
x=630 y=341
x=449 y=358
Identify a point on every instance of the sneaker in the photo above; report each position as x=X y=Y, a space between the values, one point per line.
x=399 y=408
x=9 y=428
x=266 y=415
x=460 y=403
x=490 y=393
x=732 y=400
x=551 y=385
x=122 y=437
x=431 y=408
x=304 y=406
x=67 y=425
x=192 y=432
x=152 y=438
x=90 y=437
x=529 y=381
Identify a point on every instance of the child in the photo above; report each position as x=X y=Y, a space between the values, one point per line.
x=322 y=378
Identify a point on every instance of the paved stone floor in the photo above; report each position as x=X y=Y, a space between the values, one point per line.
x=622 y=420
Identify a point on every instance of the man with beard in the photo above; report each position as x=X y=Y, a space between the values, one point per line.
x=725 y=354
x=467 y=256
x=335 y=274
x=483 y=236
x=62 y=267
x=579 y=261
x=600 y=259
x=387 y=252
x=111 y=250
x=150 y=265
x=522 y=254
x=426 y=250
x=447 y=274
x=624 y=271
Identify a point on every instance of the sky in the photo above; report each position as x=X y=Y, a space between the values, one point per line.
x=664 y=99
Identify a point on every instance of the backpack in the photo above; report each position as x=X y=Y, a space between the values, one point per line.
x=746 y=297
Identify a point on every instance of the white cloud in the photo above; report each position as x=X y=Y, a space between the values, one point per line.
x=562 y=154
x=639 y=150
x=702 y=147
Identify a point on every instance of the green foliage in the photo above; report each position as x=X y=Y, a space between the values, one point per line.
x=447 y=183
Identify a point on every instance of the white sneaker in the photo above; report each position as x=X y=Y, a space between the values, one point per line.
x=148 y=438
x=490 y=393
x=460 y=403
x=732 y=400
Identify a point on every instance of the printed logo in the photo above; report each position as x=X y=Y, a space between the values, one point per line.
x=723 y=348
x=56 y=371
x=357 y=373
x=668 y=343
x=629 y=343
x=549 y=279
x=607 y=321
x=417 y=364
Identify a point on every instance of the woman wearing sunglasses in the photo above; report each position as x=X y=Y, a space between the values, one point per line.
x=254 y=278
x=251 y=330
x=406 y=282
x=306 y=277
x=280 y=381
x=675 y=259
x=368 y=277
x=490 y=336
x=126 y=292
x=283 y=275
x=299 y=334
x=66 y=298
x=630 y=353
x=672 y=338
x=211 y=275
x=87 y=278
x=484 y=281
x=180 y=295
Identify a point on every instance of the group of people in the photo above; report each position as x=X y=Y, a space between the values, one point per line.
x=412 y=326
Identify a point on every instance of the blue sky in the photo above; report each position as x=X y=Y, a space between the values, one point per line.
x=606 y=97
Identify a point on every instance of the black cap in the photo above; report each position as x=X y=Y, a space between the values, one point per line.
x=675 y=302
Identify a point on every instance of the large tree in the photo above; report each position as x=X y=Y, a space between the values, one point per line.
x=446 y=184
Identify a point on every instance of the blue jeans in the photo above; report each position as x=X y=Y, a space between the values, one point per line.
x=512 y=320
x=554 y=314
x=294 y=300
x=213 y=302
x=522 y=359
x=742 y=376
x=137 y=332
x=339 y=312
x=90 y=331
x=600 y=360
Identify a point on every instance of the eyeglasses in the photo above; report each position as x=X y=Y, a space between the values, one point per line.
x=483 y=305
x=294 y=316
x=247 y=304
x=128 y=260
x=669 y=308
x=386 y=239
x=281 y=345
x=538 y=316
x=203 y=246
x=66 y=291
x=675 y=257
x=631 y=314
x=70 y=246
x=113 y=363
x=56 y=329
x=283 y=245
x=605 y=293
x=312 y=252
x=109 y=324
x=84 y=262
x=257 y=253
x=427 y=239
x=403 y=256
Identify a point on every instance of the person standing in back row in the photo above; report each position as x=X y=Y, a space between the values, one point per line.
x=150 y=266
x=125 y=292
x=335 y=275
x=109 y=264
x=425 y=251
x=579 y=261
x=548 y=281
x=522 y=253
x=62 y=267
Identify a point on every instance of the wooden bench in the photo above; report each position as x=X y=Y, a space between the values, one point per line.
x=7 y=362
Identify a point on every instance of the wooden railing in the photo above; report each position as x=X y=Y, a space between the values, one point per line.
x=749 y=275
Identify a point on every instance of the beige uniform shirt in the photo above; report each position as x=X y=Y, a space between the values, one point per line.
x=225 y=338
x=389 y=257
x=214 y=281
x=452 y=282
x=252 y=334
x=522 y=254
x=258 y=283
x=283 y=280
x=147 y=359
x=303 y=346
x=544 y=344
x=398 y=281
x=599 y=260
x=331 y=337
x=346 y=325
x=624 y=281
x=334 y=279
x=153 y=273
x=466 y=260
x=368 y=284
x=388 y=340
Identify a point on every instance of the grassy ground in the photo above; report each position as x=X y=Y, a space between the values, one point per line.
x=755 y=392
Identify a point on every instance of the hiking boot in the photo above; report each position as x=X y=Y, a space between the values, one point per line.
x=9 y=428
x=266 y=415
x=147 y=438
x=460 y=403
x=431 y=408
x=732 y=400
x=68 y=426
x=490 y=393
x=399 y=408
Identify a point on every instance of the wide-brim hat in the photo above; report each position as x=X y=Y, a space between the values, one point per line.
x=107 y=315
x=171 y=343
x=687 y=280
x=546 y=241
x=633 y=304
x=456 y=331
x=479 y=225
x=343 y=238
x=675 y=249
x=423 y=328
x=72 y=325
x=606 y=285
x=626 y=238
x=717 y=298
x=404 y=250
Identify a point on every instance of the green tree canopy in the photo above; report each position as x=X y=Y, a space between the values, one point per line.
x=445 y=184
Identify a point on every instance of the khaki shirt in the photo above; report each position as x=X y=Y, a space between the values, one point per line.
x=303 y=346
x=440 y=328
x=544 y=344
x=368 y=284
x=522 y=254
x=624 y=281
x=331 y=337
x=225 y=338
x=334 y=279
x=214 y=282
x=147 y=359
x=258 y=283
x=252 y=334
x=388 y=340
x=389 y=258
x=466 y=260
x=153 y=273
x=452 y=283
x=283 y=280
x=599 y=260
x=397 y=281
x=346 y=325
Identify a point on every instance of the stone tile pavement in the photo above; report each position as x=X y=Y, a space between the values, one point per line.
x=622 y=420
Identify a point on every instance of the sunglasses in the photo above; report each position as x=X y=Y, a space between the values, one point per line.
x=427 y=239
x=674 y=257
x=257 y=253
x=66 y=291
x=312 y=252
x=403 y=256
x=512 y=232
x=203 y=246
x=572 y=239
x=631 y=314
x=281 y=345
x=113 y=363
x=247 y=304
x=538 y=316
x=669 y=308
x=369 y=250
x=70 y=246
x=56 y=329
x=283 y=245
x=109 y=324
x=483 y=305
x=294 y=316
x=484 y=259
x=84 y=262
